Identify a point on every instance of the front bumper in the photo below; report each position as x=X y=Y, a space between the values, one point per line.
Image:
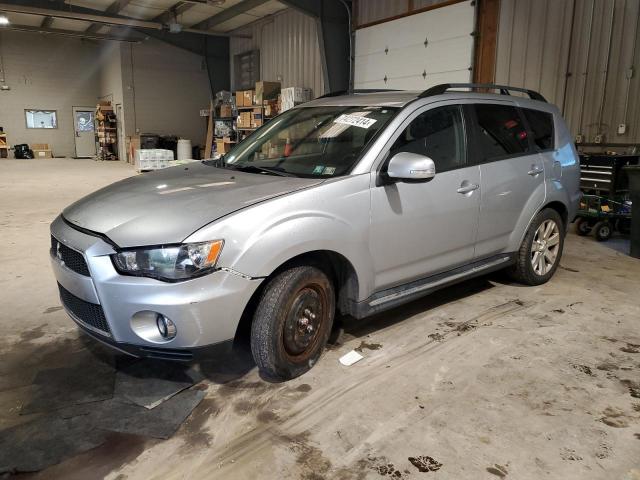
x=206 y=310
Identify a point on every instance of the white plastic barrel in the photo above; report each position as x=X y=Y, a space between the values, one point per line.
x=184 y=149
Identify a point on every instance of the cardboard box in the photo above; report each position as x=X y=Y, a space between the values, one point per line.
x=244 y=120
x=240 y=98
x=270 y=108
x=248 y=98
x=133 y=147
x=225 y=110
x=41 y=153
x=256 y=117
x=223 y=145
x=266 y=91
x=292 y=96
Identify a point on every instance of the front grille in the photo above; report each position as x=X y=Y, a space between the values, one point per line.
x=86 y=312
x=72 y=259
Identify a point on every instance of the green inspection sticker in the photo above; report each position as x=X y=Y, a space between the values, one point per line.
x=318 y=170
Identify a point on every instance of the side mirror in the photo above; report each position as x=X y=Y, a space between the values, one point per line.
x=411 y=166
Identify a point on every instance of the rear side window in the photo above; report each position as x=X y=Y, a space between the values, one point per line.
x=541 y=125
x=501 y=132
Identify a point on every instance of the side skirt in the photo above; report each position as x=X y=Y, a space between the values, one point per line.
x=395 y=296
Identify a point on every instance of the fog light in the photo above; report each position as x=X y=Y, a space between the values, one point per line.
x=166 y=327
x=153 y=327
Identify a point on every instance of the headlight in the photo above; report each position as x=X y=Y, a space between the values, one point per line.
x=169 y=263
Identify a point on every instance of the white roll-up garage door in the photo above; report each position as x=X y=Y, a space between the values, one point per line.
x=417 y=51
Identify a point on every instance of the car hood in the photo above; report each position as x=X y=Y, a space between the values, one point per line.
x=167 y=205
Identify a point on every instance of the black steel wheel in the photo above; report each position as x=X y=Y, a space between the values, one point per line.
x=292 y=322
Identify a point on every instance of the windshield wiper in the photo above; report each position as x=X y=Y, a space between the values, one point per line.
x=255 y=169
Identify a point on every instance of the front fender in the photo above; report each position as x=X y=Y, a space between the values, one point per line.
x=333 y=216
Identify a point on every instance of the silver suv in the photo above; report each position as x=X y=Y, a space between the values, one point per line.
x=353 y=203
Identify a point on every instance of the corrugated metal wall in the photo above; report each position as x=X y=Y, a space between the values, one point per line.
x=289 y=51
x=367 y=11
x=583 y=55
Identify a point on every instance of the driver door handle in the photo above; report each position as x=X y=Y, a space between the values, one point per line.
x=468 y=188
x=535 y=171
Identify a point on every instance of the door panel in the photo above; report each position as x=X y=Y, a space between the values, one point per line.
x=511 y=174
x=84 y=125
x=507 y=191
x=419 y=229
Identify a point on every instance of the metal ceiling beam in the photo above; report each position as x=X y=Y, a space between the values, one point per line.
x=228 y=14
x=80 y=14
x=174 y=11
x=73 y=33
x=94 y=16
x=115 y=8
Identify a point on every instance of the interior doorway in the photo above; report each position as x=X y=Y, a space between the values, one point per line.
x=84 y=127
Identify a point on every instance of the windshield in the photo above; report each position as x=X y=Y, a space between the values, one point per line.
x=310 y=141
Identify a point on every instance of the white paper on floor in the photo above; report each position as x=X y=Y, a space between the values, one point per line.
x=350 y=358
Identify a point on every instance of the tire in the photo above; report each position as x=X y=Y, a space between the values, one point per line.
x=292 y=322
x=603 y=231
x=582 y=227
x=524 y=271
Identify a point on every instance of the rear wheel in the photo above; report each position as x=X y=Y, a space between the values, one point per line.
x=539 y=254
x=292 y=322
x=583 y=228
x=603 y=231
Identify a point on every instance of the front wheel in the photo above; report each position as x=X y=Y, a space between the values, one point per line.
x=539 y=254
x=292 y=322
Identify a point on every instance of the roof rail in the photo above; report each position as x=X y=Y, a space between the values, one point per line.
x=361 y=90
x=504 y=89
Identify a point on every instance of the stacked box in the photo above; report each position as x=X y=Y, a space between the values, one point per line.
x=153 y=159
x=256 y=118
x=266 y=91
x=270 y=108
x=292 y=96
x=223 y=145
x=244 y=120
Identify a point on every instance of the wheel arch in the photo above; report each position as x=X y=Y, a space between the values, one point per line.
x=562 y=210
x=336 y=266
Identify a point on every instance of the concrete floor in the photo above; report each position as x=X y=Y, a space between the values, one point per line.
x=488 y=378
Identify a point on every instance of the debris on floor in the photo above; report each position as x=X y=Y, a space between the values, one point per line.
x=498 y=470
x=425 y=463
x=350 y=358
x=367 y=346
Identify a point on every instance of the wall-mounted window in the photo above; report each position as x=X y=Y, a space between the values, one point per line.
x=41 y=118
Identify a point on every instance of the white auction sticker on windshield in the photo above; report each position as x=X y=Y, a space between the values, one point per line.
x=355 y=120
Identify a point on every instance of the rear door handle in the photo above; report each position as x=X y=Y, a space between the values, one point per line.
x=467 y=188
x=535 y=171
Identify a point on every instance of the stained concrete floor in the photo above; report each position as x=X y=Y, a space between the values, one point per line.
x=484 y=380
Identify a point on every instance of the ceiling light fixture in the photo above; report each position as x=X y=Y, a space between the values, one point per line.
x=4 y=20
